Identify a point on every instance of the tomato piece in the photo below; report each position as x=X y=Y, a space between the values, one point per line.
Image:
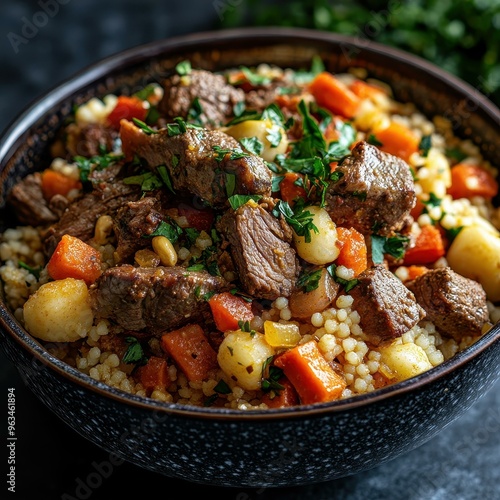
x=127 y=108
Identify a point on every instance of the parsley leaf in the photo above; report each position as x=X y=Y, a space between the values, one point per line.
x=144 y=127
x=98 y=162
x=170 y=231
x=274 y=374
x=347 y=284
x=237 y=200
x=372 y=139
x=300 y=220
x=183 y=68
x=35 y=271
x=134 y=353
x=165 y=177
x=394 y=246
x=254 y=78
x=252 y=144
x=148 y=181
x=309 y=280
x=425 y=145
x=234 y=154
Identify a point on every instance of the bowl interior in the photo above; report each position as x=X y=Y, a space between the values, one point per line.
x=24 y=146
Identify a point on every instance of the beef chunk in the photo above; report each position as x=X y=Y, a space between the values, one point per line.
x=89 y=140
x=215 y=96
x=28 y=202
x=260 y=247
x=386 y=307
x=456 y=305
x=193 y=164
x=159 y=299
x=133 y=221
x=375 y=193
x=80 y=218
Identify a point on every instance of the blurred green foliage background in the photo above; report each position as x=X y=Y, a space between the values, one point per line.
x=461 y=36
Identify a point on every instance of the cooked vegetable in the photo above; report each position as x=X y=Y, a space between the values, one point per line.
x=242 y=356
x=281 y=334
x=405 y=360
x=428 y=248
x=353 y=251
x=322 y=247
x=228 y=310
x=287 y=396
x=398 y=140
x=475 y=254
x=154 y=374
x=127 y=108
x=334 y=95
x=191 y=351
x=59 y=311
x=74 y=258
x=469 y=180
x=291 y=188
x=54 y=182
x=311 y=375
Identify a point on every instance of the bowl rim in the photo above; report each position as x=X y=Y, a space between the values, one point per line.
x=124 y=59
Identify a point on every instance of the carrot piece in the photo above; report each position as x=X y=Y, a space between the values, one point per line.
x=334 y=95
x=398 y=140
x=313 y=378
x=56 y=183
x=289 y=190
x=428 y=248
x=127 y=108
x=353 y=250
x=285 y=397
x=191 y=351
x=228 y=309
x=417 y=210
x=366 y=90
x=415 y=271
x=73 y=258
x=472 y=180
x=154 y=374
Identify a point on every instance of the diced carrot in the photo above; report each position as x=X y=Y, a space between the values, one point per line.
x=228 y=310
x=132 y=138
x=191 y=351
x=56 y=183
x=472 y=180
x=127 y=108
x=366 y=90
x=284 y=397
x=290 y=102
x=313 y=378
x=398 y=140
x=415 y=271
x=332 y=94
x=289 y=190
x=200 y=219
x=353 y=250
x=154 y=374
x=428 y=248
x=73 y=258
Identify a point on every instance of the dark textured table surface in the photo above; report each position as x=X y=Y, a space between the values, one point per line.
x=37 y=52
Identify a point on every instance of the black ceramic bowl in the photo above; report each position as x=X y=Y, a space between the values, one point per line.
x=281 y=447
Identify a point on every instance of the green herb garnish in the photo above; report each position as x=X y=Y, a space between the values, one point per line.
x=237 y=200
x=183 y=68
x=309 y=280
x=299 y=219
x=134 y=352
x=144 y=127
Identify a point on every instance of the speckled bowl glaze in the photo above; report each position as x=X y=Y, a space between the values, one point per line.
x=281 y=447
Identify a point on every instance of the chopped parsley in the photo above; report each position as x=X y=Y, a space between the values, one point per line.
x=183 y=68
x=234 y=154
x=148 y=181
x=347 y=284
x=452 y=233
x=170 y=231
x=99 y=162
x=230 y=184
x=144 y=127
x=425 y=145
x=456 y=154
x=134 y=352
x=299 y=219
x=147 y=91
x=309 y=280
x=238 y=200
x=372 y=139
x=254 y=78
x=165 y=177
x=195 y=111
x=245 y=327
x=394 y=246
x=252 y=144
x=274 y=374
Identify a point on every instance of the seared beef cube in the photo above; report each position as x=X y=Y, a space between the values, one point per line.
x=159 y=299
x=387 y=309
x=267 y=265
x=81 y=216
x=195 y=166
x=215 y=97
x=89 y=140
x=133 y=223
x=455 y=304
x=27 y=200
x=375 y=193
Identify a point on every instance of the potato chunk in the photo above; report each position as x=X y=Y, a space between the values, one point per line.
x=241 y=357
x=59 y=311
x=322 y=249
x=475 y=254
x=405 y=360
